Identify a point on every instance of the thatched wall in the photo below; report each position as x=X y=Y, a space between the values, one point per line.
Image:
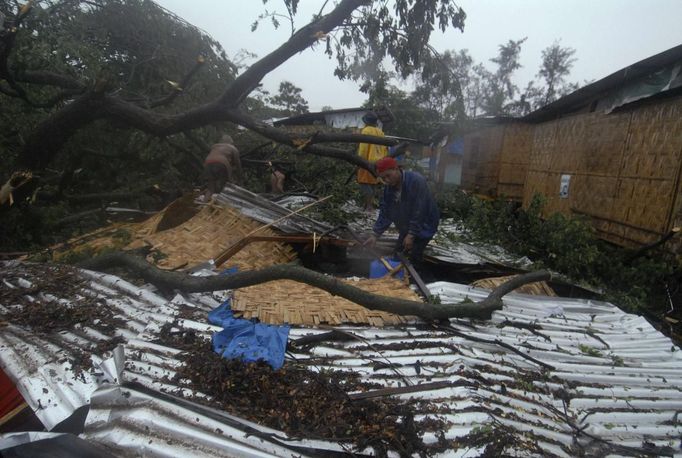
x=496 y=160
x=480 y=163
x=514 y=157
x=624 y=169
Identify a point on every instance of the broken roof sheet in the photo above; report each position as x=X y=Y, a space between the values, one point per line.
x=669 y=59
x=447 y=247
x=266 y=211
x=545 y=376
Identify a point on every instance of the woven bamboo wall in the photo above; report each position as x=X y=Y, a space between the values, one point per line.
x=624 y=169
x=481 y=160
x=496 y=160
x=514 y=157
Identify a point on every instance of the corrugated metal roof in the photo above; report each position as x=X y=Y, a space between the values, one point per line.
x=558 y=376
x=447 y=248
x=266 y=211
x=323 y=117
x=586 y=94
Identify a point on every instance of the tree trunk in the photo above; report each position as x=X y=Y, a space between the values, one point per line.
x=428 y=311
x=48 y=138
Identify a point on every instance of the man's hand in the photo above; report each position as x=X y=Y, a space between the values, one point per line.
x=370 y=241
x=408 y=243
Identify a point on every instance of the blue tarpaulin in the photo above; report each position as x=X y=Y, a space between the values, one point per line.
x=248 y=340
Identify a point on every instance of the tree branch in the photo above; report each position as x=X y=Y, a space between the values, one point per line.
x=183 y=84
x=186 y=283
x=50 y=135
x=298 y=141
x=301 y=40
x=162 y=125
x=51 y=79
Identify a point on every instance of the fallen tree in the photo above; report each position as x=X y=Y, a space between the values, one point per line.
x=429 y=311
x=122 y=77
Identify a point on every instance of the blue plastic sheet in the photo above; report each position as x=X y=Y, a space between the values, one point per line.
x=247 y=340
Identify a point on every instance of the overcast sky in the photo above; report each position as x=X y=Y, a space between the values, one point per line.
x=606 y=34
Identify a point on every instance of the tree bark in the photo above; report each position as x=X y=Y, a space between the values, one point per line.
x=48 y=138
x=429 y=311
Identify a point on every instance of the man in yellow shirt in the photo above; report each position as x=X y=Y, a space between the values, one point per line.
x=369 y=185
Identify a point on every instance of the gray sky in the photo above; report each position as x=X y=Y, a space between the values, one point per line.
x=606 y=34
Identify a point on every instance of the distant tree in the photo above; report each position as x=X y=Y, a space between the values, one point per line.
x=443 y=91
x=327 y=108
x=289 y=100
x=475 y=91
x=556 y=66
x=500 y=89
x=550 y=83
x=379 y=88
x=529 y=99
x=494 y=92
x=412 y=120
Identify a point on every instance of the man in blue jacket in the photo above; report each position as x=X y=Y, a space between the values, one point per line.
x=407 y=203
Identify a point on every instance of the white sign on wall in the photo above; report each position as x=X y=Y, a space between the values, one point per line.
x=563 y=187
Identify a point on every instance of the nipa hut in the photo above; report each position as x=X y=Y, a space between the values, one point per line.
x=612 y=151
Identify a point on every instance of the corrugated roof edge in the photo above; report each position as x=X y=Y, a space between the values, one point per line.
x=384 y=113
x=578 y=98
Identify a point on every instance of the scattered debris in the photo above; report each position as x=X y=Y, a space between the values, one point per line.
x=289 y=400
x=38 y=304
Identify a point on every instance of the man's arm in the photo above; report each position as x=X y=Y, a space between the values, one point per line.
x=383 y=221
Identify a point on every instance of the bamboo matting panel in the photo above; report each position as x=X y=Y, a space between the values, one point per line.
x=514 y=158
x=481 y=160
x=210 y=232
x=115 y=236
x=603 y=144
x=286 y=301
x=654 y=156
x=517 y=142
x=200 y=235
x=539 y=288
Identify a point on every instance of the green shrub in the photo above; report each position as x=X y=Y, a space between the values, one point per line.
x=568 y=245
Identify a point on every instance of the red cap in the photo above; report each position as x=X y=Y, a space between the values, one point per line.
x=386 y=163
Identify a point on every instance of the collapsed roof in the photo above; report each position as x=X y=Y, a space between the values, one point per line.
x=546 y=376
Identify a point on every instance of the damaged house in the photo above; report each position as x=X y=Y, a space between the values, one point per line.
x=610 y=151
